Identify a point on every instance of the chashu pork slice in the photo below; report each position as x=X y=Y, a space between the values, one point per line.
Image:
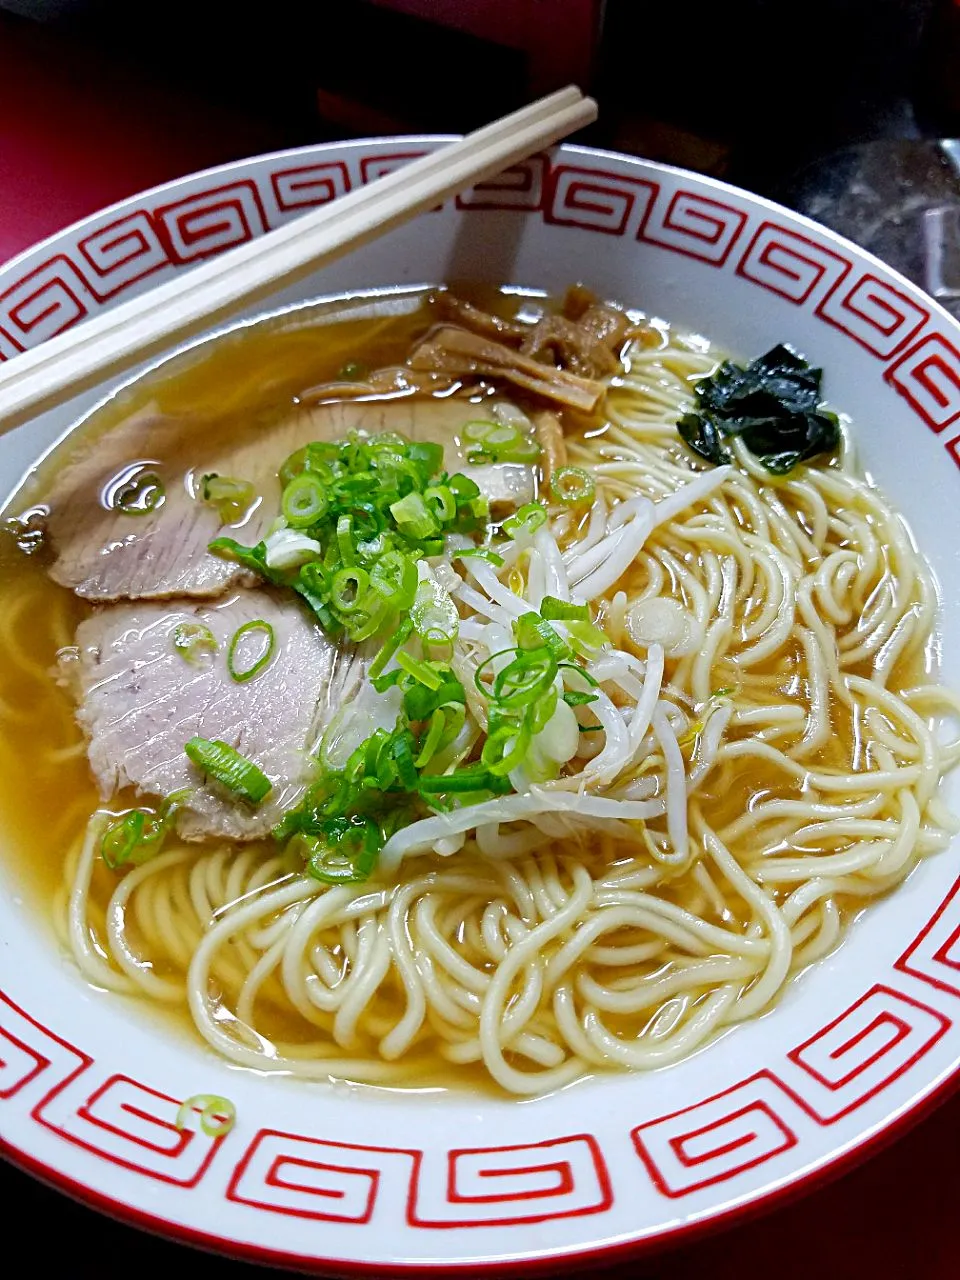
x=105 y=553
x=141 y=701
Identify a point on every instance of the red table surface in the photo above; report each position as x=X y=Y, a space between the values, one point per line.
x=73 y=139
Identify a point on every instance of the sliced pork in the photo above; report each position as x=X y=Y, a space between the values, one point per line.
x=141 y=700
x=105 y=552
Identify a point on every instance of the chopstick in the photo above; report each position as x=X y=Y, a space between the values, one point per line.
x=115 y=341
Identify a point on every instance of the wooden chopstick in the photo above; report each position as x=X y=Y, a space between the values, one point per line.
x=116 y=340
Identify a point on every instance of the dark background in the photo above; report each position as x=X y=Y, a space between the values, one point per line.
x=749 y=89
x=100 y=98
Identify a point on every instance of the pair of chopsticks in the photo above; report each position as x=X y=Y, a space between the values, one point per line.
x=115 y=341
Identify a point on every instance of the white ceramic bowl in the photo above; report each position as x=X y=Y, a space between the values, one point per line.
x=318 y=1175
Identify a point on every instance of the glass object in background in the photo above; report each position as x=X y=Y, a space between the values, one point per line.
x=900 y=197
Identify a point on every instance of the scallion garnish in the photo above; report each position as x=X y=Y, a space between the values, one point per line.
x=413 y=517
x=530 y=517
x=256 y=626
x=441 y=502
x=389 y=648
x=304 y=501
x=349 y=589
x=344 y=854
x=434 y=615
x=435 y=735
x=133 y=837
x=140 y=495
x=533 y=631
x=371 y=504
x=227 y=766
x=471 y=779
x=555 y=610
x=422 y=672
x=479 y=553
x=572 y=486
x=394 y=577
x=586 y=639
x=505 y=747
x=193 y=641
x=348 y=814
x=217 y=1115
x=498 y=442
x=231 y=498
x=522 y=682
x=574 y=699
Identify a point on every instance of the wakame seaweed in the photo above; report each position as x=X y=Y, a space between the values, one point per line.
x=773 y=405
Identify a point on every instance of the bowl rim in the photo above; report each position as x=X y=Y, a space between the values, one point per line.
x=435 y=139
x=572 y=1260
x=791 y=1187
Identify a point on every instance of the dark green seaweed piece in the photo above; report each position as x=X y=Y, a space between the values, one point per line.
x=773 y=404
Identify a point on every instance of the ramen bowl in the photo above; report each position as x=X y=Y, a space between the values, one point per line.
x=353 y=1179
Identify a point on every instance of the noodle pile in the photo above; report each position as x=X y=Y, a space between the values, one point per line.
x=766 y=762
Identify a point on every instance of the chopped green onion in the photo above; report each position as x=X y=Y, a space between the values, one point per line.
x=463 y=487
x=140 y=495
x=254 y=558
x=574 y=699
x=586 y=638
x=533 y=632
x=389 y=648
x=375 y=504
x=420 y=701
x=304 y=501
x=227 y=766
x=127 y=835
x=479 y=553
x=413 y=517
x=232 y=498
x=368 y=620
x=343 y=851
x=249 y=628
x=401 y=754
x=344 y=533
x=476 y=431
x=353 y=371
x=524 y=680
x=498 y=442
x=192 y=640
x=555 y=610
x=531 y=517
x=470 y=779
x=434 y=614
x=441 y=501
x=420 y=671
x=540 y=714
x=445 y=723
x=432 y=738
x=572 y=486
x=136 y=836
x=505 y=748
x=584 y=675
x=427 y=456
x=394 y=576
x=348 y=589
x=217 y=1115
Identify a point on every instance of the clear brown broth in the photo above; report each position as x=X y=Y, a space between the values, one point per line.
x=238 y=382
